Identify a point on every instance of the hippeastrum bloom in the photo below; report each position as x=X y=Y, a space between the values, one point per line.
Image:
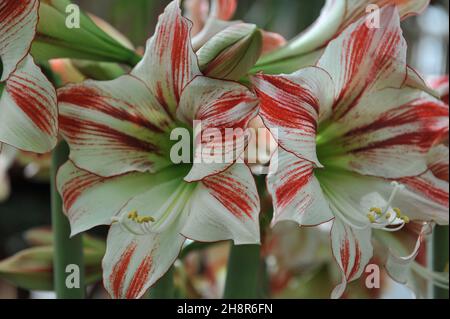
x=405 y=246
x=350 y=131
x=28 y=111
x=121 y=172
x=307 y=47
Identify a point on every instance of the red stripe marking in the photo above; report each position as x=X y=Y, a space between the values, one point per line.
x=286 y=106
x=345 y=253
x=298 y=175
x=414 y=112
x=120 y=269
x=93 y=99
x=232 y=194
x=86 y=132
x=427 y=189
x=357 y=261
x=140 y=278
x=33 y=103
x=76 y=186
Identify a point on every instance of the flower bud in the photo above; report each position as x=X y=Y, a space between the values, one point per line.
x=32 y=268
x=232 y=52
x=65 y=32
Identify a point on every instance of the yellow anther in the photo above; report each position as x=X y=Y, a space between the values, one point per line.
x=371 y=218
x=133 y=215
x=388 y=216
x=377 y=210
x=398 y=212
x=405 y=219
x=144 y=219
x=147 y=219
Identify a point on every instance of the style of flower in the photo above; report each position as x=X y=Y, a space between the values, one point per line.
x=121 y=172
x=352 y=131
x=28 y=108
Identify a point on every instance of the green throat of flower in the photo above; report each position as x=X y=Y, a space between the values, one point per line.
x=332 y=155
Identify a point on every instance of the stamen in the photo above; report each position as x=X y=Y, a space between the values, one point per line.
x=135 y=224
x=376 y=210
x=372 y=218
x=405 y=219
x=383 y=218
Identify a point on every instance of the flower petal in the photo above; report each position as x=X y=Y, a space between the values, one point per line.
x=438 y=162
x=169 y=62
x=363 y=58
x=404 y=247
x=441 y=85
x=351 y=193
x=272 y=41
x=196 y=11
x=292 y=105
x=223 y=9
x=224 y=110
x=133 y=263
x=335 y=17
x=91 y=200
x=18 y=21
x=352 y=249
x=225 y=206
x=429 y=188
x=387 y=134
x=356 y=9
x=114 y=127
x=28 y=109
x=296 y=192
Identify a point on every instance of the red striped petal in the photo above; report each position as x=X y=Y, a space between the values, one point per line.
x=352 y=250
x=114 y=127
x=18 y=21
x=28 y=110
x=169 y=63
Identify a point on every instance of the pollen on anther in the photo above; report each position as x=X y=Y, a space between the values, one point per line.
x=398 y=212
x=376 y=210
x=371 y=218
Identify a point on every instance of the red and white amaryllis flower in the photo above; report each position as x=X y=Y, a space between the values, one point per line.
x=405 y=248
x=351 y=130
x=28 y=108
x=120 y=172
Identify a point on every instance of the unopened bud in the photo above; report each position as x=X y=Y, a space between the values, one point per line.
x=230 y=54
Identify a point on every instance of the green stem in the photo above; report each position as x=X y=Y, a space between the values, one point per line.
x=164 y=288
x=67 y=251
x=440 y=257
x=243 y=272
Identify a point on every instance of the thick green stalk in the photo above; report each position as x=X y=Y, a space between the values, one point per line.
x=440 y=257
x=68 y=264
x=243 y=272
x=164 y=288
